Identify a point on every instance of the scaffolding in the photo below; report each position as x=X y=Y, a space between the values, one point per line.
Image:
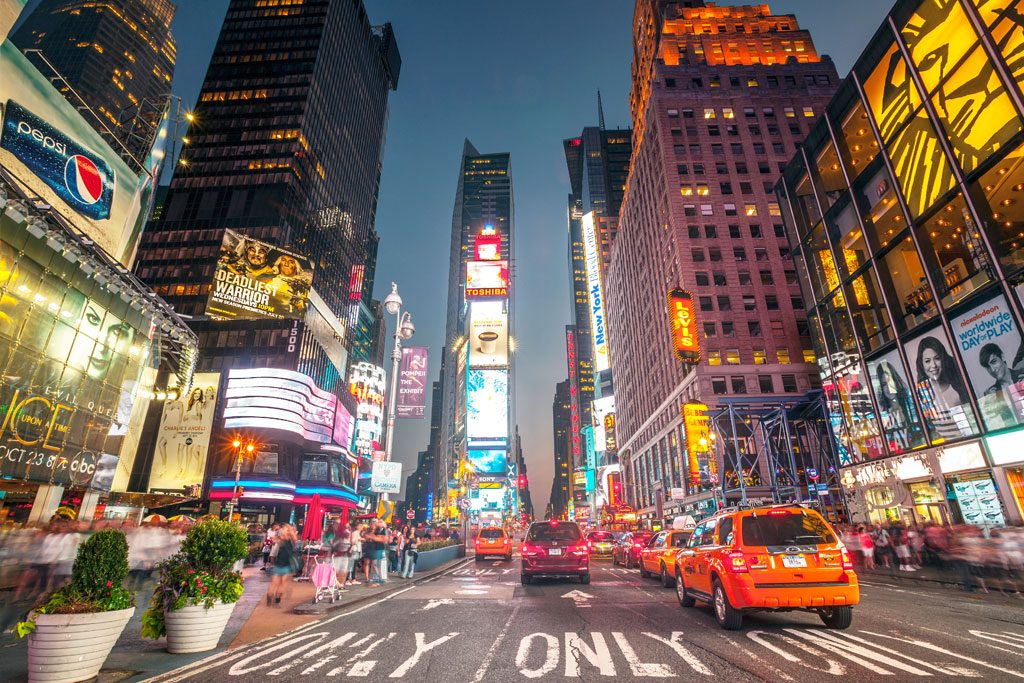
x=775 y=451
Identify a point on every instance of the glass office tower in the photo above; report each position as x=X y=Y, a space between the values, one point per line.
x=905 y=211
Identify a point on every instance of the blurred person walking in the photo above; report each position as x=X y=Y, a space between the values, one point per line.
x=409 y=554
x=286 y=563
x=341 y=550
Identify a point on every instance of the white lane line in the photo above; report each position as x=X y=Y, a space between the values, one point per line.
x=1005 y=638
x=936 y=648
x=854 y=653
x=482 y=671
x=684 y=653
x=940 y=669
x=782 y=675
x=636 y=667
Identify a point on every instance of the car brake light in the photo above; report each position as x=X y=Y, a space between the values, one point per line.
x=775 y=513
x=847 y=560
x=736 y=563
x=579 y=550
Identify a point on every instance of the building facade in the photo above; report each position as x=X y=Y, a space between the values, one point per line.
x=115 y=57
x=902 y=209
x=721 y=97
x=273 y=207
x=561 y=484
x=478 y=368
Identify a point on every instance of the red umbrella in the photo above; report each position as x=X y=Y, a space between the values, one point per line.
x=313 y=528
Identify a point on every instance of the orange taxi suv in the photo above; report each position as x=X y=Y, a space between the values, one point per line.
x=493 y=541
x=659 y=556
x=779 y=558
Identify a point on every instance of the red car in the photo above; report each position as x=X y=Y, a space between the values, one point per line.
x=555 y=548
x=627 y=550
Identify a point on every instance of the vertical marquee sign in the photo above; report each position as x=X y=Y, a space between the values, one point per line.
x=683 y=320
x=574 y=399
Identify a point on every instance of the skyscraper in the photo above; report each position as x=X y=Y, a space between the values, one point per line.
x=721 y=97
x=479 y=358
x=118 y=56
x=561 y=484
x=284 y=158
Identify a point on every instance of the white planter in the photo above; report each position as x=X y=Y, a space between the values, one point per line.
x=196 y=628
x=66 y=648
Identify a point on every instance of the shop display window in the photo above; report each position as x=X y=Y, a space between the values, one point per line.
x=876 y=194
x=825 y=276
x=830 y=175
x=881 y=502
x=894 y=394
x=999 y=197
x=870 y=317
x=839 y=333
x=929 y=502
x=846 y=390
x=806 y=202
x=937 y=36
x=903 y=276
x=860 y=140
x=977 y=499
x=850 y=243
x=961 y=262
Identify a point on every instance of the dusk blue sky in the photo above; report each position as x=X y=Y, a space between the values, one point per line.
x=513 y=77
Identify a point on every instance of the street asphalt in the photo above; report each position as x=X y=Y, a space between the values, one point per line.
x=476 y=623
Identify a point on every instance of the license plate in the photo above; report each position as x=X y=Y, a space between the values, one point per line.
x=554 y=551
x=793 y=561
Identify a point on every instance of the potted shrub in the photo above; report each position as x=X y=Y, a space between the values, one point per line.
x=197 y=588
x=73 y=631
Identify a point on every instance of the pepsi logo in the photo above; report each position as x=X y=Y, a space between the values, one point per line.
x=83 y=179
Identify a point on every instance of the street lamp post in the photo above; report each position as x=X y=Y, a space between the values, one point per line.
x=238 y=474
x=404 y=329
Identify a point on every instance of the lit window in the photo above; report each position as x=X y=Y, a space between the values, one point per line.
x=760 y=358
x=808 y=112
x=702 y=190
x=709 y=113
x=773 y=209
x=750 y=209
x=789 y=111
x=727 y=113
x=783 y=356
x=714 y=357
x=686 y=191
x=809 y=356
x=732 y=357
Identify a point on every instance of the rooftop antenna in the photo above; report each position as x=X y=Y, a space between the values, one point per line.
x=600 y=111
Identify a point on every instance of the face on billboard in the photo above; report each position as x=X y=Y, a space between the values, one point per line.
x=488 y=334
x=256 y=280
x=184 y=437
x=486 y=279
x=940 y=388
x=489 y=462
x=990 y=346
x=894 y=394
x=486 y=404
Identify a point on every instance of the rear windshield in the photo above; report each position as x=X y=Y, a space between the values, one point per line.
x=557 y=532
x=601 y=536
x=792 y=529
x=492 y=533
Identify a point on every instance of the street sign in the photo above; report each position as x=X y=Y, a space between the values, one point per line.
x=812 y=474
x=410 y=514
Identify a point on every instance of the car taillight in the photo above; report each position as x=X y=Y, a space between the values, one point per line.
x=638 y=545
x=847 y=560
x=776 y=513
x=736 y=563
x=528 y=549
x=579 y=550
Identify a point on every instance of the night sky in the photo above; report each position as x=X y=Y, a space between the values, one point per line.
x=512 y=77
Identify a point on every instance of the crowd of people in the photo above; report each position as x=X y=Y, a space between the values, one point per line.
x=978 y=558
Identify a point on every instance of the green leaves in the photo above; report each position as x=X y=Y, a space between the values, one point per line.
x=215 y=546
x=23 y=628
x=102 y=563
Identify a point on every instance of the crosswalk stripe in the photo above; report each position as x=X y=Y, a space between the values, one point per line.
x=866 y=655
x=940 y=669
x=936 y=648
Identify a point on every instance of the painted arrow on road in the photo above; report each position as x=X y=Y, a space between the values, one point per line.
x=579 y=598
x=437 y=603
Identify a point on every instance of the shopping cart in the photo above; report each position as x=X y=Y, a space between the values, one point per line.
x=326 y=581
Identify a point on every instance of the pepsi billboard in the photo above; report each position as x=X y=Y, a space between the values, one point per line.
x=77 y=175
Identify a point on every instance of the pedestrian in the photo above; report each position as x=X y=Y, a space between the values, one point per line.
x=286 y=562
x=379 y=556
x=867 y=548
x=409 y=554
x=883 y=546
x=394 y=546
x=356 y=555
x=901 y=546
x=341 y=551
x=268 y=544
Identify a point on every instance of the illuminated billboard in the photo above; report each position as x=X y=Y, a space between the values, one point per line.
x=487 y=244
x=601 y=408
x=488 y=334
x=489 y=463
x=355 y=282
x=284 y=400
x=486 y=279
x=683 y=321
x=255 y=280
x=344 y=426
x=696 y=427
x=366 y=384
x=487 y=499
x=598 y=330
x=412 y=382
x=183 y=441
x=486 y=404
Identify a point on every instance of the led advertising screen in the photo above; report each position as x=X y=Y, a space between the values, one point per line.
x=344 y=426
x=486 y=404
x=487 y=245
x=256 y=280
x=597 y=320
x=488 y=334
x=284 y=400
x=600 y=408
x=366 y=384
x=183 y=440
x=412 y=382
x=487 y=499
x=683 y=320
x=486 y=279
x=489 y=463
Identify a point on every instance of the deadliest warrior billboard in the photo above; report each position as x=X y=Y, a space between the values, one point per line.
x=255 y=280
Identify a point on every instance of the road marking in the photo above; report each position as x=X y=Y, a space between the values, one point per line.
x=472 y=591
x=943 y=670
x=638 y=668
x=360 y=665
x=681 y=650
x=855 y=653
x=936 y=648
x=550 y=657
x=782 y=675
x=422 y=647
x=1015 y=640
x=494 y=647
x=436 y=603
x=579 y=598
x=337 y=642
x=599 y=655
x=760 y=637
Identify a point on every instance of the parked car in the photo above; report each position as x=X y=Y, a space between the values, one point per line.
x=659 y=556
x=556 y=549
x=627 y=550
x=779 y=558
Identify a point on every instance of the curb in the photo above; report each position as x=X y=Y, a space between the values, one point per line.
x=324 y=608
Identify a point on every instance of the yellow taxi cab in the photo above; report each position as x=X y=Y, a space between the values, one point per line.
x=493 y=541
x=659 y=556
x=779 y=558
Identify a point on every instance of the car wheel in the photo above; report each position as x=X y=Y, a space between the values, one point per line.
x=479 y=558
x=525 y=580
x=837 y=617
x=585 y=578
x=685 y=599
x=666 y=580
x=643 y=572
x=508 y=558
x=727 y=616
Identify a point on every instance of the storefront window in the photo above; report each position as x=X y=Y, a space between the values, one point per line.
x=938 y=35
x=825 y=276
x=883 y=215
x=830 y=175
x=977 y=499
x=870 y=318
x=850 y=243
x=894 y=395
x=838 y=330
x=806 y=201
x=941 y=389
x=847 y=394
x=860 y=140
x=1007 y=23
x=882 y=508
x=961 y=261
x=903 y=275
x=929 y=503
x=999 y=197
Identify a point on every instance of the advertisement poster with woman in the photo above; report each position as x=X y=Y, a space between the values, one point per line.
x=990 y=346
x=895 y=398
x=184 y=437
x=941 y=388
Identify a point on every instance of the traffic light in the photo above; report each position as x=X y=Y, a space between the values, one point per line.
x=522 y=481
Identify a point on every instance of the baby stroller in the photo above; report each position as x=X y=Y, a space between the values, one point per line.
x=326 y=581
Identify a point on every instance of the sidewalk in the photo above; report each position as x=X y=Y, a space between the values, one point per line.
x=135 y=658
x=948 y=578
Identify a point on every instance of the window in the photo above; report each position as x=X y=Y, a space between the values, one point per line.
x=710 y=330
x=709 y=113
x=710 y=231
x=783 y=356
x=715 y=82
x=809 y=356
x=720 y=166
x=701 y=279
x=763 y=167
x=789 y=384
x=714 y=357
x=749 y=112
x=677 y=132
x=698 y=168
x=707 y=209
x=719 y=278
x=767 y=187
x=739 y=253
x=751 y=82
x=803 y=328
x=749 y=303
x=732 y=131
x=727 y=113
x=693 y=231
x=784 y=252
x=706 y=304
x=686 y=190
x=739 y=385
x=773 y=130
x=789 y=112
x=670 y=82
x=754 y=328
x=714 y=131
x=759 y=148
x=773 y=81
x=702 y=191
x=718 y=386
x=734 y=81
x=697 y=254
x=764 y=383
x=771 y=302
x=794 y=128
x=694 y=148
x=716 y=149
x=766 y=277
x=673 y=113
x=797 y=303
x=691 y=131
x=755 y=231
x=734 y=232
x=689 y=209
x=744 y=278
x=730 y=209
x=687 y=113
x=761 y=254
x=823 y=79
x=750 y=209
x=778 y=148
x=728 y=329
x=754 y=130
x=790 y=276
x=724 y=303
x=777 y=329
x=741 y=167
x=736 y=147
x=790 y=80
x=746 y=188
x=760 y=357
x=679 y=150
x=780 y=230
x=682 y=169
x=809 y=112
x=726 y=188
